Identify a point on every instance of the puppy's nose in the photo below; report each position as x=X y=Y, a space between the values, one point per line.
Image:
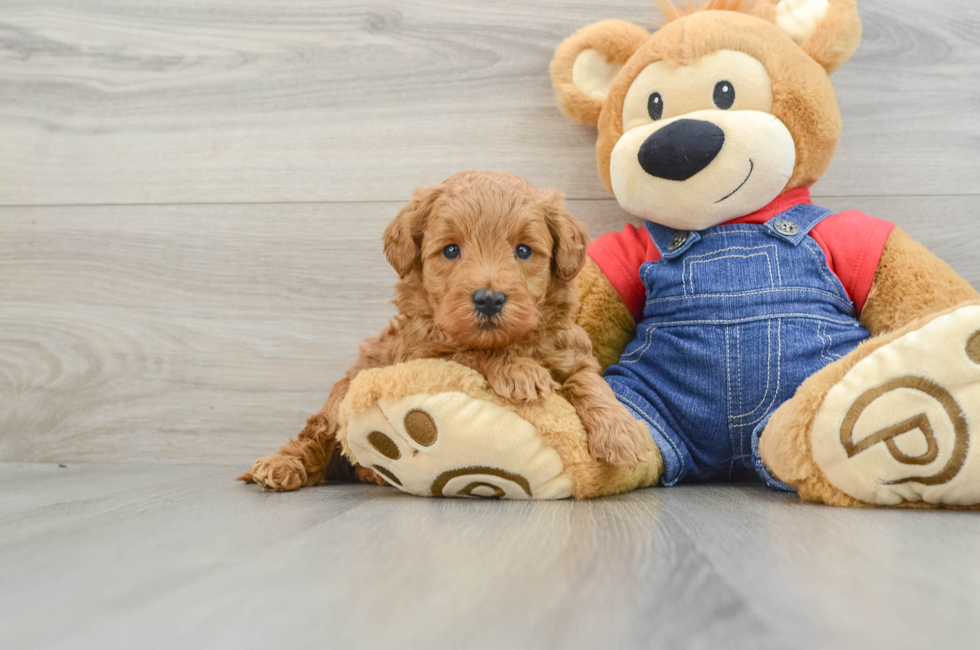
x=681 y=149
x=489 y=302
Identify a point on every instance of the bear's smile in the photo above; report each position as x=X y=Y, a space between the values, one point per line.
x=733 y=192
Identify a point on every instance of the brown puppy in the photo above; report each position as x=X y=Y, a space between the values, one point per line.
x=486 y=263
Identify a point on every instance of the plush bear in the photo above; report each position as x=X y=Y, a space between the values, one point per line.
x=753 y=333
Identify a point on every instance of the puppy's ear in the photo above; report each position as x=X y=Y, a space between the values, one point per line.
x=586 y=64
x=403 y=236
x=570 y=237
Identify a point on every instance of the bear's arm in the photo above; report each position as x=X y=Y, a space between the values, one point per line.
x=910 y=282
x=603 y=314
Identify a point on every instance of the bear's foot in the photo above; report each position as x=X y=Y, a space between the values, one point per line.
x=491 y=453
x=901 y=427
x=434 y=428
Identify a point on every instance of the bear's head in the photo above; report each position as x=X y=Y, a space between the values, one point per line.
x=717 y=113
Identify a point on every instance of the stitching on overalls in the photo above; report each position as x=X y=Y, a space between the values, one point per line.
x=692 y=259
x=779 y=375
x=821 y=260
x=820 y=313
x=779 y=271
x=689 y=267
x=730 y=232
x=728 y=379
x=828 y=341
x=765 y=394
x=823 y=341
x=732 y=248
x=638 y=353
x=736 y=321
x=825 y=352
x=739 y=294
x=738 y=351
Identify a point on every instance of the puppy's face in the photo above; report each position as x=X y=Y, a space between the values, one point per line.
x=488 y=249
x=486 y=269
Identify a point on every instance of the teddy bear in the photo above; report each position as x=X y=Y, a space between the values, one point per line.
x=754 y=334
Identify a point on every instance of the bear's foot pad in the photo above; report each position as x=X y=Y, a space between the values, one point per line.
x=488 y=452
x=903 y=426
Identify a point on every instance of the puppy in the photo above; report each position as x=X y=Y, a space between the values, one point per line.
x=486 y=264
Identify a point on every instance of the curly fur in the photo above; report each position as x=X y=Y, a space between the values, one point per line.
x=532 y=348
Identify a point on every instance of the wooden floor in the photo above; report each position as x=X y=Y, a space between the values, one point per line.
x=191 y=200
x=181 y=557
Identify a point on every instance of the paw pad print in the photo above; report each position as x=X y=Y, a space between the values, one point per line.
x=452 y=445
x=901 y=426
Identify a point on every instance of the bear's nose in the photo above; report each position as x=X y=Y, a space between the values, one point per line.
x=681 y=149
x=488 y=302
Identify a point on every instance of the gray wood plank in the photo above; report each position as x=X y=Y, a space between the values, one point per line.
x=149 y=333
x=139 y=101
x=841 y=577
x=209 y=333
x=164 y=557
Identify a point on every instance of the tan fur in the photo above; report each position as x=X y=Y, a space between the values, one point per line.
x=803 y=96
x=837 y=37
x=804 y=99
x=529 y=350
x=834 y=41
x=554 y=418
x=785 y=446
x=911 y=283
x=616 y=39
x=911 y=288
x=673 y=12
x=603 y=314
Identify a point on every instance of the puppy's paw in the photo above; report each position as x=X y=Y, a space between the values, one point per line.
x=620 y=441
x=279 y=473
x=368 y=475
x=522 y=382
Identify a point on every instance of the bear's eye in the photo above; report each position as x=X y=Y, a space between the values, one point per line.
x=451 y=252
x=523 y=252
x=724 y=95
x=655 y=106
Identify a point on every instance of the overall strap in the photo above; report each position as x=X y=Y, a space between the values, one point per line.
x=796 y=223
x=671 y=243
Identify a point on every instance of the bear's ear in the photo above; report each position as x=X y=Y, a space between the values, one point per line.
x=828 y=30
x=586 y=64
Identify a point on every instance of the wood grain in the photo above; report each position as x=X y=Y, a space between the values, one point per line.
x=139 y=331
x=218 y=175
x=139 y=101
x=209 y=333
x=166 y=557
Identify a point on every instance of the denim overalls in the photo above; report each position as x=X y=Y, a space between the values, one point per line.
x=737 y=316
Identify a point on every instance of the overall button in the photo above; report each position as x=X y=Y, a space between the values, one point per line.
x=786 y=227
x=678 y=241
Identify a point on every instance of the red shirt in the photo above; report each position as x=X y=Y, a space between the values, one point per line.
x=852 y=241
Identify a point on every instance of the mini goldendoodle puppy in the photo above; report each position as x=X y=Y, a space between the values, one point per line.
x=486 y=263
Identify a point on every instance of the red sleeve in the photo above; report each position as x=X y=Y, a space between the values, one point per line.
x=853 y=243
x=620 y=255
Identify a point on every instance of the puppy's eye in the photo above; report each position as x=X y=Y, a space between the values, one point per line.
x=655 y=106
x=724 y=95
x=451 y=252
x=523 y=252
